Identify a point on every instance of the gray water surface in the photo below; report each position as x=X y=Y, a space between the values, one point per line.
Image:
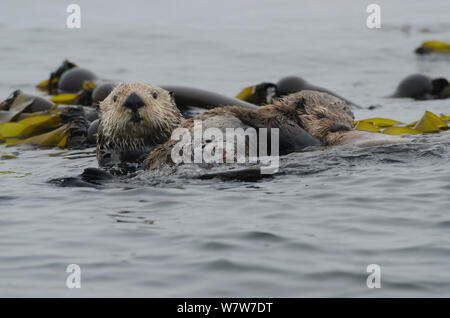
x=310 y=231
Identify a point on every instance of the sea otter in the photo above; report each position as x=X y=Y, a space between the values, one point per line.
x=189 y=100
x=266 y=93
x=303 y=119
x=422 y=87
x=134 y=118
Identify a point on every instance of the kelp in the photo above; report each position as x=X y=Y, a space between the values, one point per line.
x=51 y=84
x=433 y=47
x=429 y=123
x=72 y=134
x=83 y=97
x=32 y=125
x=62 y=126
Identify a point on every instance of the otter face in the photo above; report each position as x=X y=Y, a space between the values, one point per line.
x=320 y=113
x=138 y=110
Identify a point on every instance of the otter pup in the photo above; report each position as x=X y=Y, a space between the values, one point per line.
x=133 y=119
x=265 y=93
x=422 y=87
x=303 y=119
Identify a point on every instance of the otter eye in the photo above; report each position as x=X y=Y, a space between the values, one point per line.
x=155 y=95
x=320 y=116
x=115 y=98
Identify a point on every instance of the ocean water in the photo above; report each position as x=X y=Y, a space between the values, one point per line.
x=312 y=230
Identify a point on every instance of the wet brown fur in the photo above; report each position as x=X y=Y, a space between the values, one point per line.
x=118 y=134
x=316 y=112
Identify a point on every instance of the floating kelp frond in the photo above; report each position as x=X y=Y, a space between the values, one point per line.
x=13 y=108
x=401 y=131
x=433 y=47
x=72 y=134
x=381 y=122
x=51 y=84
x=64 y=126
x=8 y=156
x=7 y=172
x=246 y=93
x=27 y=119
x=67 y=99
x=52 y=138
x=18 y=103
x=6 y=104
x=429 y=123
x=38 y=123
x=362 y=125
x=83 y=97
x=32 y=125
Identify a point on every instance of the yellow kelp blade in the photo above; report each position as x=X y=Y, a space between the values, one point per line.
x=437 y=46
x=7 y=172
x=362 y=125
x=430 y=123
x=380 y=122
x=8 y=130
x=89 y=85
x=7 y=156
x=246 y=93
x=445 y=117
x=63 y=142
x=21 y=102
x=31 y=125
x=19 y=105
x=43 y=84
x=64 y=99
x=412 y=124
x=401 y=131
x=12 y=141
x=57 y=137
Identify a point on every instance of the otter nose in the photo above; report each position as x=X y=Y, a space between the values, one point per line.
x=336 y=128
x=134 y=102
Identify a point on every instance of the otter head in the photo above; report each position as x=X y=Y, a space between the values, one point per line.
x=320 y=113
x=138 y=115
x=441 y=87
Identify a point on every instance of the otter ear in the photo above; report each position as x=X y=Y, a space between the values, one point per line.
x=172 y=98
